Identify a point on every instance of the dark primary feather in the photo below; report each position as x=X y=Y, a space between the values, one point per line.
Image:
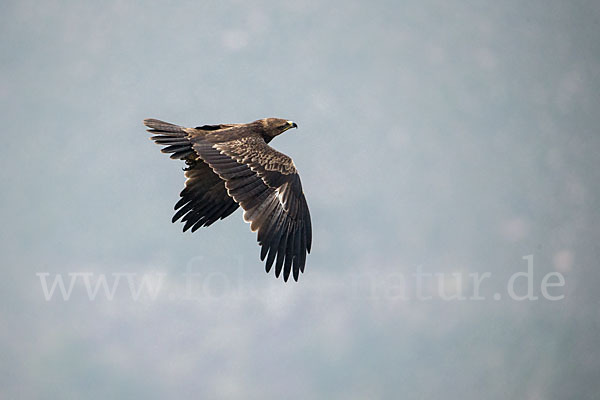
x=204 y=199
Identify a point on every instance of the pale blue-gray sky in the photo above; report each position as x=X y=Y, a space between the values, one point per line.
x=435 y=136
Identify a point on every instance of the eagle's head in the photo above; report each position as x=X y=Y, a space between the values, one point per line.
x=275 y=126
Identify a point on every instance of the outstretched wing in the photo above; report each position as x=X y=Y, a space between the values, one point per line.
x=267 y=186
x=204 y=199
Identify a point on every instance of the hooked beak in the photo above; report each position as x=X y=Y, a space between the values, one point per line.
x=292 y=124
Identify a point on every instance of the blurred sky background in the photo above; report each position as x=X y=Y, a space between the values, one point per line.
x=450 y=136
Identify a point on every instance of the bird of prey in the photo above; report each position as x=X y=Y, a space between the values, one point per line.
x=232 y=165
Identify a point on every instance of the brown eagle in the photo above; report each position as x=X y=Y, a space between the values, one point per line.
x=231 y=165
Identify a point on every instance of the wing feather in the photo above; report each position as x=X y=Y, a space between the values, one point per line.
x=265 y=183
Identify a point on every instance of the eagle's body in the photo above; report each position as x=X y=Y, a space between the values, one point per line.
x=231 y=165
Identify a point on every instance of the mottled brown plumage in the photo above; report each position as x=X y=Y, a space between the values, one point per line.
x=231 y=165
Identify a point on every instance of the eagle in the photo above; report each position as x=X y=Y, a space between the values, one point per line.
x=232 y=165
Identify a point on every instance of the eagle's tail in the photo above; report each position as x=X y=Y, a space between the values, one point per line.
x=173 y=137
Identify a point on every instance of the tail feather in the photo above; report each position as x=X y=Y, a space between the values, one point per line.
x=156 y=125
x=173 y=137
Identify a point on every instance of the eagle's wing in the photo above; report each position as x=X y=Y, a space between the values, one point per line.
x=204 y=199
x=267 y=186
